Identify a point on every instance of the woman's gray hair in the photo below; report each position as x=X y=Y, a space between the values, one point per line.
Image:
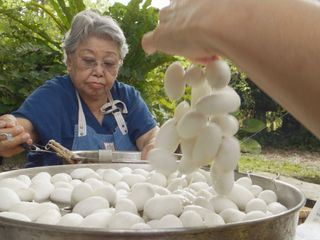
x=90 y=23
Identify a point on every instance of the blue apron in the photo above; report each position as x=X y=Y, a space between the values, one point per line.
x=86 y=138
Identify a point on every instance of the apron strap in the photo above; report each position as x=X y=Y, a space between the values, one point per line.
x=116 y=111
x=82 y=125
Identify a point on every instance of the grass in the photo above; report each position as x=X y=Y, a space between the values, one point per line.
x=248 y=162
x=257 y=163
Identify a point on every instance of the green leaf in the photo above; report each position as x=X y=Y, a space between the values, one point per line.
x=252 y=125
x=250 y=146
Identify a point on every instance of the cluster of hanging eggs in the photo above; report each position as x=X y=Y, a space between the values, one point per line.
x=205 y=128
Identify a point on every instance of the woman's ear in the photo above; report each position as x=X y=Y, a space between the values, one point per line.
x=69 y=63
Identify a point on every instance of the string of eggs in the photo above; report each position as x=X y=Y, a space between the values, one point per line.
x=205 y=129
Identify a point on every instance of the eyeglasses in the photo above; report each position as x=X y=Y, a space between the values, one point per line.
x=110 y=65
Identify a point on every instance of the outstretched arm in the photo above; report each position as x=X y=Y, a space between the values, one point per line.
x=275 y=42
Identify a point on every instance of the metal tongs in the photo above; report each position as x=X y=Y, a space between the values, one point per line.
x=72 y=157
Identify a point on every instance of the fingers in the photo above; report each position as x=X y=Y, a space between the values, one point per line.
x=7 y=120
x=10 y=146
x=148 y=43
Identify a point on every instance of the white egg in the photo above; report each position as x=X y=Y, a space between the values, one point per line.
x=191 y=219
x=80 y=192
x=174 y=82
x=177 y=183
x=231 y=215
x=100 y=171
x=206 y=174
x=107 y=192
x=228 y=154
x=42 y=189
x=197 y=186
x=70 y=220
x=140 y=193
x=112 y=176
x=213 y=219
x=154 y=223
x=228 y=124
x=124 y=220
x=256 y=204
x=182 y=108
x=220 y=102
x=256 y=190
x=122 y=185
x=221 y=181
x=25 y=194
x=268 y=196
x=196 y=176
x=15 y=216
x=132 y=179
x=198 y=209
x=240 y=196
x=28 y=209
x=169 y=221
x=63 y=185
x=254 y=215
x=13 y=184
x=207 y=144
x=276 y=208
x=245 y=182
x=160 y=190
x=141 y=171
x=126 y=205
x=185 y=194
x=8 y=198
x=140 y=226
x=94 y=183
x=157 y=178
x=221 y=203
x=186 y=164
x=190 y=124
x=24 y=178
x=96 y=220
x=41 y=176
x=75 y=182
x=51 y=216
x=121 y=193
x=162 y=160
x=199 y=92
x=81 y=173
x=159 y=206
x=218 y=74
x=167 y=137
x=203 y=202
x=194 y=76
x=61 y=195
x=205 y=194
x=61 y=177
x=92 y=175
x=86 y=206
x=124 y=170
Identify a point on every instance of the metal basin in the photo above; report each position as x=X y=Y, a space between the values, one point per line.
x=278 y=227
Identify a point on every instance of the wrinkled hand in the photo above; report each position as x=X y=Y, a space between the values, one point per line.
x=184 y=30
x=11 y=136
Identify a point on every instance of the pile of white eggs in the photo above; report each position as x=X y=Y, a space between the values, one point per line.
x=128 y=198
x=174 y=193
x=205 y=128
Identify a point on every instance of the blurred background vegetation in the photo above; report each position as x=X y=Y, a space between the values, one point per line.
x=30 y=53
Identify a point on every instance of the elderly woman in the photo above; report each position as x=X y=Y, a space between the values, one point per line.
x=86 y=109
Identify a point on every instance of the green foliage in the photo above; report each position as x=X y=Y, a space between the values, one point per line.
x=254 y=163
x=136 y=19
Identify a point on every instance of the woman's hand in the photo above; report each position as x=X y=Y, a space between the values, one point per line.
x=12 y=134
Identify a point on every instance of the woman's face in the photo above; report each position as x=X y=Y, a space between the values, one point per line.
x=94 y=66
